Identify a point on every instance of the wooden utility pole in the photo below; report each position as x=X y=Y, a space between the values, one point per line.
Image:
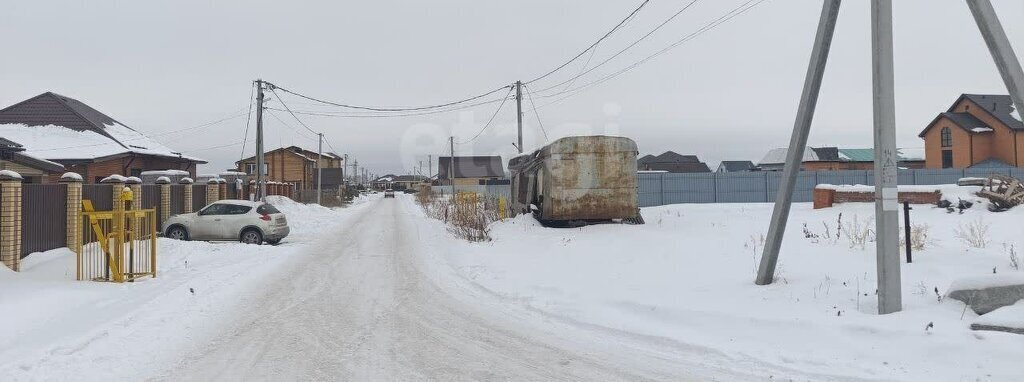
x=261 y=182
x=519 y=113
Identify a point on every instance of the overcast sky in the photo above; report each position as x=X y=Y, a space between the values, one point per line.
x=729 y=94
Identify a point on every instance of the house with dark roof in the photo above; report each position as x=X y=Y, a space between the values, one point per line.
x=63 y=130
x=470 y=170
x=31 y=169
x=671 y=162
x=736 y=166
x=978 y=130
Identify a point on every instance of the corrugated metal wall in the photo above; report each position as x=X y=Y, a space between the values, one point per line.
x=198 y=196
x=101 y=195
x=655 y=189
x=151 y=199
x=178 y=198
x=43 y=217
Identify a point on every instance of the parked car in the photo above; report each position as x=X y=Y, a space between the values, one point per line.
x=389 y=193
x=242 y=220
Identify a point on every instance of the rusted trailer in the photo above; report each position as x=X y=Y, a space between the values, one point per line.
x=577 y=180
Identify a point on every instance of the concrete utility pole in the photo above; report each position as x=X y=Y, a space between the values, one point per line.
x=430 y=166
x=260 y=161
x=887 y=220
x=797 y=143
x=319 y=167
x=519 y=113
x=1001 y=50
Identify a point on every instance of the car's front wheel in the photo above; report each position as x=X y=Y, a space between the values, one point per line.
x=177 y=233
x=251 y=236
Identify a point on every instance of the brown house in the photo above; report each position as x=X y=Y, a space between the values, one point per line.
x=31 y=169
x=470 y=170
x=64 y=130
x=836 y=159
x=294 y=164
x=977 y=131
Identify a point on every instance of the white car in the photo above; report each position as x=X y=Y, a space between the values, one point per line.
x=242 y=220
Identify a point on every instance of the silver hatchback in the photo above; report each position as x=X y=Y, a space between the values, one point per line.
x=242 y=220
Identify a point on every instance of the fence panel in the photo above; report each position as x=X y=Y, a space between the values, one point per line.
x=803 y=192
x=845 y=177
x=985 y=172
x=938 y=176
x=649 y=189
x=43 y=217
x=101 y=195
x=1017 y=173
x=177 y=198
x=496 y=190
x=742 y=187
x=198 y=196
x=903 y=177
x=689 y=188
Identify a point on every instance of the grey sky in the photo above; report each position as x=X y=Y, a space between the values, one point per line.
x=729 y=94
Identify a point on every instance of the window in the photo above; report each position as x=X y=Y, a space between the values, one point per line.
x=267 y=209
x=213 y=209
x=250 y=168
x=236 y=209
x=947 y=158
x=947 y=137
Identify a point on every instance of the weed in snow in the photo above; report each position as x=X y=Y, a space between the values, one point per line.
x=1014 y=258
x=974 y=234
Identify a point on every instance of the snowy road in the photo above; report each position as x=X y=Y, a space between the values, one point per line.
x=362 y=309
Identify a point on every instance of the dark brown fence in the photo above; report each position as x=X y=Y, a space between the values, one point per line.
x=198 y=196
x=43 y=217
x=101 y=196
x=151 y=198
x=178 y=198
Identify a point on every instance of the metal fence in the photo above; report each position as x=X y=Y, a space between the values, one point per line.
x=43 y=217
x=101 y=195
x=655 y=189
x=198 y=196
x=497 y=190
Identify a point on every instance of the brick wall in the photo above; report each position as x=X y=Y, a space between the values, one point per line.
x=826 y=197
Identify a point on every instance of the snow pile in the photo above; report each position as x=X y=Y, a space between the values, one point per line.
x=163 y=179
x=1008 y=317
x=686 y=278
x=988 y=281
x=57 y=328
x=304 y=220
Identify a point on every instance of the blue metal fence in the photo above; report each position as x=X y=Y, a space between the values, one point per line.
x=655 y=189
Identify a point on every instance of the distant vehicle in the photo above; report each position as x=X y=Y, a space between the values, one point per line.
x=410 y=191
x=577 y=180
x=242 y=220
x=389 y=193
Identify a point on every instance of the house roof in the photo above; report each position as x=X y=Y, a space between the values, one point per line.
x=410 y=178
x=14 y=152
x=673 y=157
x=737 y=165
x=675 y=168
x=998 y=105
x=301 y=152
x=58 y=127
x=471 y=167
x=868 y=155
x=778 y=156
x=646 y=159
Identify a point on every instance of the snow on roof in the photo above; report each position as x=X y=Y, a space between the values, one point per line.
x=165 y=172
x=915 y=153
x=1015 y=113
x=981 y=129
x=57 y=142
x=775 y=156
x=116 y=177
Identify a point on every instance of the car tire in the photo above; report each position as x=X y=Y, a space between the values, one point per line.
x=273 y=241
x=177 y=232
x=251 y=236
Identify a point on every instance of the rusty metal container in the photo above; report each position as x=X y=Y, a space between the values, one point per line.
x=577 y=178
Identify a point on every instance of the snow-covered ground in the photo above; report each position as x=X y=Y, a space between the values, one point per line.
x=686 y=277
x=56 y=327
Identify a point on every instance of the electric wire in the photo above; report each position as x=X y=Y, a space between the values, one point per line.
x=252 y=93
x=534 y=105
x=493 y=116
x=394 y=109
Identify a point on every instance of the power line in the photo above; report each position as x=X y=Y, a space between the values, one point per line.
x=489 y=120
x=743 y=8
x=297 y=132
x=252 y=92
x=394 y=109
x=534 y=105
x=217 y=147
x=290 y=111
x=592 y=46
x=623 y=50
x=393 y=115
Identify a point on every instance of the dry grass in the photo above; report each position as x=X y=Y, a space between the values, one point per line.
x=467 y=215
x=974 y=234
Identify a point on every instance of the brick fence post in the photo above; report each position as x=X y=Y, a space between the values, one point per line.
x=73 y=182
x=187 y=182
x=165 y=199
x=222 y=189
x=10 y=220
x=211 y=191
x=135 y=184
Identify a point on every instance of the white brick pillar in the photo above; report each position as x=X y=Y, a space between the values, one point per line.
x=10 y=220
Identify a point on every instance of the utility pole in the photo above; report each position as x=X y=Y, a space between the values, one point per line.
x=887 y=220
x=260 y=160
x=319 y=167
x=451 y=164
x=519 y=113
x=430 y=166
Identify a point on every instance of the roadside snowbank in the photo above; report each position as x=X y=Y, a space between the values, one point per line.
x=57 y=328
x=686 y=277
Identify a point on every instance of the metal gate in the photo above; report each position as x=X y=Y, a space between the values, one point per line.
x=116 y=246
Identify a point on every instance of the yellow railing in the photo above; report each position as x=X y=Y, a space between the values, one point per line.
x=117 y=246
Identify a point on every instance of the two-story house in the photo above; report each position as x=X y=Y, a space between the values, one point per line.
x=297 y=165
x=978 y=130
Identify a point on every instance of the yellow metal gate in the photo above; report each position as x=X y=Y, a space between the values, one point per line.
x=117 y=245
